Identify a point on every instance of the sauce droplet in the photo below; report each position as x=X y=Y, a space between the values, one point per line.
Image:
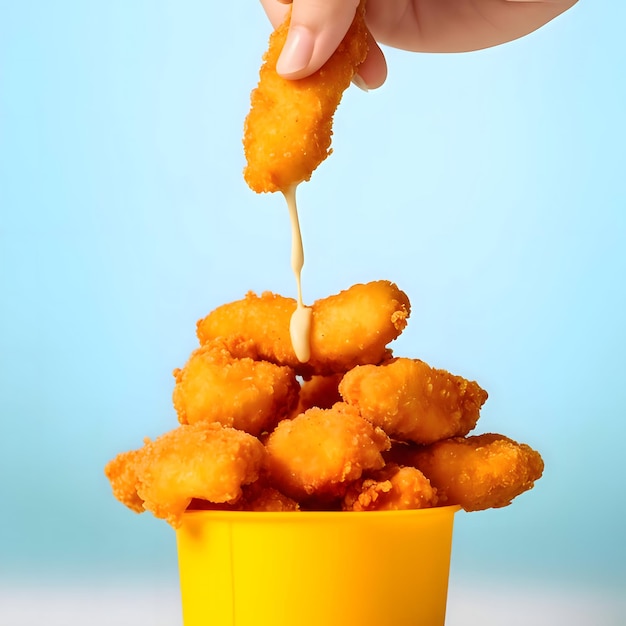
x=300 y=324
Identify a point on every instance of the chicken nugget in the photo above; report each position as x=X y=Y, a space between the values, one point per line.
x=203 y=460
x=260 y=496
x=122 y=474
x=319 y=391
x=320 y=452
x=245 y=394
x=256 y=327
x=393 y=488
x=350 y=328
x=257 y=496
x=287 y=132
x=477 y=472
x=412 y=401
x=354 y=326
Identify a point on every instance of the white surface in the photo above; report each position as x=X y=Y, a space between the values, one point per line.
x=492 y=606
x=159 y=606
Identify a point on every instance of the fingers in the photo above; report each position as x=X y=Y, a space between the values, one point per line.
x=317 y=28
x=373 y=71
x=276 y=10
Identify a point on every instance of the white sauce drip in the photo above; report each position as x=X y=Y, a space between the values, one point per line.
x=300 y=324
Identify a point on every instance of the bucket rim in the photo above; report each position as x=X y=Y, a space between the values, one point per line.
x=308 y=516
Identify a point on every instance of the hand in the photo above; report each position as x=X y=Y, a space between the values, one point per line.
x=318 y=26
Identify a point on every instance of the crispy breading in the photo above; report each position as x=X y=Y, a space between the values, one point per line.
x=245 y=394
x=202 y=460
x=324 y=454
x=257 y=496
x=287 y=132
x=477 y=472
x=412 y=401
x=350 y=328
x=122 y=474
x=393 y=488
x=319 y=391
x=256 y=327
x=321 y=451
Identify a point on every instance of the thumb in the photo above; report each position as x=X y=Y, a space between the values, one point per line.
x=317 y=28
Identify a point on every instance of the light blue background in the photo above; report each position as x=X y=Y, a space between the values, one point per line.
x=489 y=186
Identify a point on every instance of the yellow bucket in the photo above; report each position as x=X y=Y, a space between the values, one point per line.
x=373 y=568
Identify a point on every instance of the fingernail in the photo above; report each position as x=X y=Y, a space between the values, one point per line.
x=357 y=79
x=296 y=52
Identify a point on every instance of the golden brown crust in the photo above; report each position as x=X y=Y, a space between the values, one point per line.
x=393 y=488
x=478 y=472
x=331 y=456
x=319 y=391
x=122 y=474
x=256 y=327
x=257 y=496
x=249 y=395
x=261 y=497
x=355 y=326
x=320 y=452
x=350 y=328
x=412 y=401
x=205 y=461
x=287 y=132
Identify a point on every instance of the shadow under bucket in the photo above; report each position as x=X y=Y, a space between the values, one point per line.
x=378 y=568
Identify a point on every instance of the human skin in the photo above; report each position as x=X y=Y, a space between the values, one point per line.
x=318 y=26
x=288 y=131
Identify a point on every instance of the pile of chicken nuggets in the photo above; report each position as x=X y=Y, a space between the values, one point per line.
x=352 y=429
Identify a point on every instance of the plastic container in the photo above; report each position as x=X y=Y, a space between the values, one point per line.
x=373 y=568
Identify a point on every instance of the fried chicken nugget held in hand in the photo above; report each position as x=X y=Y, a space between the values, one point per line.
x=478 y=472
x=393 y=488
x=412 y=401
x=249 y=395
x=350 y=328
x=203 y=460
x=287 y=132
x=320 y=452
